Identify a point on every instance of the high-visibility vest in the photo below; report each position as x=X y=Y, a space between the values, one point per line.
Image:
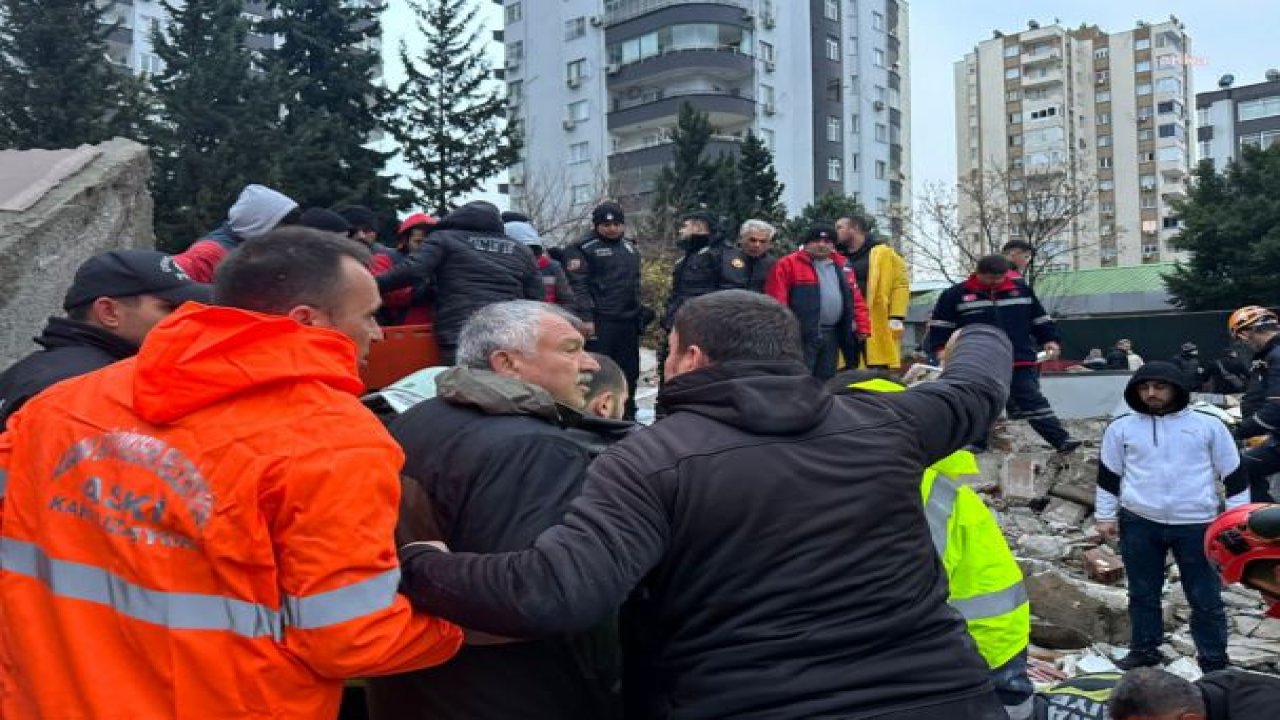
x=985 y=580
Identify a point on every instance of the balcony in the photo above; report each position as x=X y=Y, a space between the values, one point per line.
x=616 y=11
x=1174 y=191
x=1041 y=57
x=727 y=61
x=662 y=152
x=1047 y=75
x=723 y=108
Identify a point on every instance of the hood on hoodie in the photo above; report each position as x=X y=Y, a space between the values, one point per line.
x=494 y=394
x=200 y=355
x=761 y=398
x=257 y=211
x=1164 y=372
x=477 y=215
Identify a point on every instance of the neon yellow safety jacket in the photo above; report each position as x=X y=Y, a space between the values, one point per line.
x=985 y=580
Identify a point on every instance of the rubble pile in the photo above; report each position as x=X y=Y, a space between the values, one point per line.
x=1044 y=502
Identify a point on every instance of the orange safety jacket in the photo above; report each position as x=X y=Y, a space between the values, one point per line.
x=204 y=531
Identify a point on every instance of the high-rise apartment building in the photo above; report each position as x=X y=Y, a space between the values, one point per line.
x=1232 y=117
x=130 y=43
x=1113 y=109
x=597 y=86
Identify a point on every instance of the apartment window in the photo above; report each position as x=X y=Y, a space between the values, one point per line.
x=581 y=195
x=766 y=51
x=1037 y=93
x=515 y=91
x=1015 y=118
x=833 y=48
x=1012 y=96
x=578 y=111
x=1106 y=185
x=1102 y=96
x=515 y=51
x=855 y=162
x=150 y=64
x=574 y=71
x=766 y=94
x=1101 y=77
x=1169 y=107
x=852 y=45
x=1169 y=222
x=1144 y=89
x=881 y=93
x=515 y=12
x=882 y=169
x=1012 y=51
x=1104 y=141
x=1169 y=130
x=575 y=28
x=1012 y=73
x=1146 y=157
x=1101 y=53
x=1142 y=66
x=834 y=172
x=1169 y=86
x=1015 y=140
x=833 y=128
x=1262 y=140
x=882 y=206
x=579 y=152
x=855 y=85
x=1147 y=182
x=831 y=9
x=882 y=132
x=1016 y=184
x=1144 y=114
x=1206 y=149
x=1142 y=44
x=1260 y=108
x=1202 y=116
x=1106 y=229
x=855 y=123
x=1145 y=134
x=1104 y=118
x=877 y=57
x=1107 y=208
x=1043 y=113
x=877 y=21
x=1147 y=202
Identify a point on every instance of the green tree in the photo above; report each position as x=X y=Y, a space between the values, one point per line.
x=1231 y=228
x=759 y=191
x=58 y=89
x=447 y=116
x=217 y=119
x=686 y=184
x=322 y=72
x=826 y=209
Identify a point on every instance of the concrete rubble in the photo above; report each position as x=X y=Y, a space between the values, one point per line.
x=1044 y=503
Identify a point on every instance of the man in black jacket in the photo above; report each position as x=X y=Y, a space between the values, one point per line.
x=500 y=452
x=755 y=240
x=469 y=263
x=775 y=531
x=1152 y=694
x=1259 y=328
x=114 y=301
x=604 y=272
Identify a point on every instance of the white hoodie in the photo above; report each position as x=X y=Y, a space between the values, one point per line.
x=257 y=211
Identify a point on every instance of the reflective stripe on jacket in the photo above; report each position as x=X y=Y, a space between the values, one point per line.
x=203 y=531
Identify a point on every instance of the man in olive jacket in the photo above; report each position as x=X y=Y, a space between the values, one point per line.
x=776 y=534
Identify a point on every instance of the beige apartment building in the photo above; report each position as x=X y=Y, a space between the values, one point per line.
x=1113 y=110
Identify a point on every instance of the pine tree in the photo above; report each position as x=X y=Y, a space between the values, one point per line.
x=218 y=116
x=322 y=72
x=57 y=87
x=1231 y=227
x=446 y=116
x=827 y=209
x=759 y=188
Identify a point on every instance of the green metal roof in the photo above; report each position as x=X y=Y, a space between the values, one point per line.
x=1098 y=281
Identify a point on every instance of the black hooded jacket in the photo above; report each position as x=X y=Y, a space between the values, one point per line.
x=71 y=349
x=708 y=264
x=779 y=542
x=500 y=461
x=1260 y=406
x=1239 y=695
x=1164 y=372
x=468 y=262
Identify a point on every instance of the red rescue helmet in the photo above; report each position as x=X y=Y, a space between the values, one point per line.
x=1250 y=316
x=1241 y=536
x=415 y=220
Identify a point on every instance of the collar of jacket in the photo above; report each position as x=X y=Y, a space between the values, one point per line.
x=761 y=398
x=64 y=332
x=973 y=285
x=835 y=257
x=871 y=244
x=494 y=394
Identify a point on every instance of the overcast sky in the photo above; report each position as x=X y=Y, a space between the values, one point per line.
x=1227 y=36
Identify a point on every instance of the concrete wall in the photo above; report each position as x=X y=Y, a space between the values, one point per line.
x=104 y=206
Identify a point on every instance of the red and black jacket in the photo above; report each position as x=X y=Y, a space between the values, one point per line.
x=1011 y=306
x=794 y=283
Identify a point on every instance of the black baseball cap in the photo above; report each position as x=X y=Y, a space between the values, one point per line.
x=820 y=231
x=126 y=273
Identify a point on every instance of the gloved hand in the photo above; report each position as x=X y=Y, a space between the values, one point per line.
x=896 y=325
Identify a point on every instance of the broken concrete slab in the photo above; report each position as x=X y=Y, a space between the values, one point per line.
x=1064 y=512
x=102 y=205
x=1098 y=611
x=1041 y=547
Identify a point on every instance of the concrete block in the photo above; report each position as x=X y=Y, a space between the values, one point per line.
x=1023 y=477
x=1064 y=512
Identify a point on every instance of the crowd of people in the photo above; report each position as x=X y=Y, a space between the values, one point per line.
x=200 y=519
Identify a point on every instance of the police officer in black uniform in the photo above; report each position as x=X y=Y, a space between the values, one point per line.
x=709 y=264
x=604 y=271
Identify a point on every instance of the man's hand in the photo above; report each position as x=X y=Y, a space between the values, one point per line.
x=417 y=517
x=1052 y=349
x=1109 y=529
x=896 y=325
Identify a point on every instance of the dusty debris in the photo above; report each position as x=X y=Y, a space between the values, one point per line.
x=1103 y=565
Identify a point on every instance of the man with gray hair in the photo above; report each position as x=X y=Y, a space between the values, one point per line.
x=494 y=455
x=755 y=238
